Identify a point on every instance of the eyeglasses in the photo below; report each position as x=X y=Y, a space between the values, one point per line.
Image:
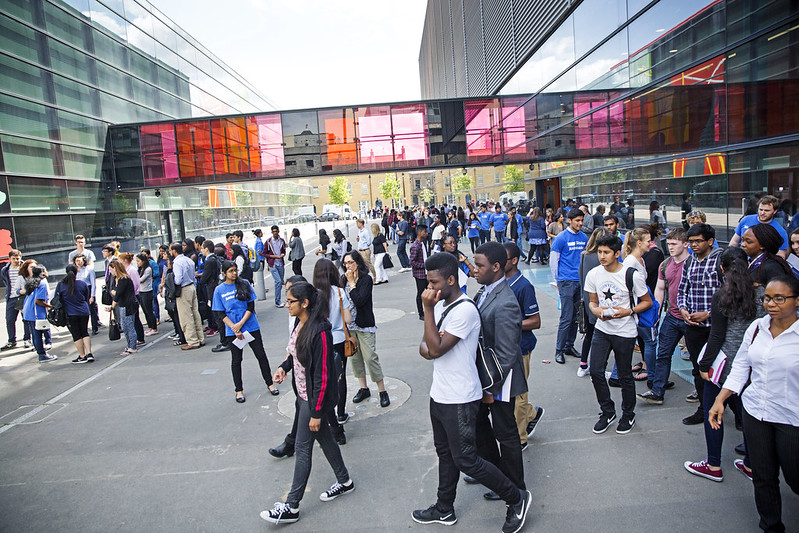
x=779 y=300
x=696 y=242
x=291 y=301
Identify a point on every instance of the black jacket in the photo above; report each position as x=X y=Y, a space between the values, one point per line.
x=321 y=372
x=126 y=296
x=361 y=297
x=6 y=280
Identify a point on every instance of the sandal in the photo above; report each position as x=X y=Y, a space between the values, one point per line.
x=178 y=343
x=641 y=376
x=638 y=367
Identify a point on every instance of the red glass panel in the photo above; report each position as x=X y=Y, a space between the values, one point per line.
x=410 y=135
x=230 y=147
x=374 y=137
x=482 y=121
x=195 y=159
x=265 y=141
x=159 y=155
x=337 y=134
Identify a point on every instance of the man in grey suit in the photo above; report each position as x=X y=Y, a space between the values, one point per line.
x=501 y=319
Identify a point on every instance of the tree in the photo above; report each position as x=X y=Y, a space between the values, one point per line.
x=461 y=183
x=514 y=179
x=339 y=191
x=426 y=195
x=391 y=188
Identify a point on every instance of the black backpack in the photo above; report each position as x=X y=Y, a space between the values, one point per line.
x=57 y=313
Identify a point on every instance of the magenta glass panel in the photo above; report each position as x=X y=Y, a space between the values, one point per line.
x=159 y=155
x=513 y=128
x=265 y=142
x=482 y=123
x=591 y=131
x=410 y=135
x=375 y=149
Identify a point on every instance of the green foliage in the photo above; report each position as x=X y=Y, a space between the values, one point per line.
x=391 y=188
x=290 y=193
x=514 y=179
x=339 y=191
x=426 y=195
x=461 y=183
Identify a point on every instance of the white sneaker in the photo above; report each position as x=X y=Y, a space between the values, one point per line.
x=48 y=346
x=582 y=372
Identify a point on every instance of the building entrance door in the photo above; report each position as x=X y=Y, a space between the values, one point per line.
x=548 y=192
x=173 y=220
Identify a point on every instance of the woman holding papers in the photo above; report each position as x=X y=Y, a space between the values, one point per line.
x=733 y=309
x=234 y=303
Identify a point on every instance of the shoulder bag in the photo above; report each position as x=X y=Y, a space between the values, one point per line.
x=387 y=263
x=114 y=330
x=105 y=297
x=350 y=344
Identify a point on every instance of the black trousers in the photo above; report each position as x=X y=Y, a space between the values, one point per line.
x=138 y=325
x=501 y=428
x=454 y=436
x=485 y=235
x=146 y=303
x=695 y=339
x=257 y=346
x=771 y=446
x=622 y=347
x=475 y=242
x=95 y=316
x=421 y=285
x=296 y=267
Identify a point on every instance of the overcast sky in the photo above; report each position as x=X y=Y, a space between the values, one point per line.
x=312 y=53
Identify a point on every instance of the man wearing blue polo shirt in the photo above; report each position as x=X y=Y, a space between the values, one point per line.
x=499 y=221
x=485 y=224
x=766 y=209
x=564 y=261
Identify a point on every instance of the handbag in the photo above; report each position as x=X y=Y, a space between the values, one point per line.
x=114 y=329
x=350 y=344
x=105 y=297
x=387 y=261
x=581 y=317
x=20 y=304
x=41 y=324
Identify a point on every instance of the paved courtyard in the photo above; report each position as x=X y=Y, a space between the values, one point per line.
x=155 y=442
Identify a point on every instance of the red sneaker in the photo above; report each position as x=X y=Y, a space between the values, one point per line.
x=741 y=467
x=702 y=469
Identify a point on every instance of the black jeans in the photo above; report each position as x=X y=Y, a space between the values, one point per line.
x=622 y=347
x=257 y=346
x=454 y=436
x=771 y=446
x=95 y=316
x=11 y=321
x=296 y=267
x=695 y=339
x=589 y=336
x=421 y=285
x=138 y=325
x=503 y=429
x=475 y=242
x=146 y=303
x=485 y=236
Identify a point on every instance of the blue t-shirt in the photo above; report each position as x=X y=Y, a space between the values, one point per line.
x=750 y=220
x=453 y=227
x=77 y=303
x=474 y=229
x=31 y=311
x=485 y=220
x=403 y=227
x=525 y=295
x=569 y=245
x=225 y=300
x=499 y=220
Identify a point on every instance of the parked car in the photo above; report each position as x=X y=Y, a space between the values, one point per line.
x=328 y=216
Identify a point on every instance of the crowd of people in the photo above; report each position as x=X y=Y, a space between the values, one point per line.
x=629 y=289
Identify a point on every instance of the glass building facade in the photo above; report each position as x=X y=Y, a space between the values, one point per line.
x=69 y=69
x=642 y=99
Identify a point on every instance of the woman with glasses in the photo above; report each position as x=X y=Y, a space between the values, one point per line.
x=234 y=305
x=358 y=285
x=314 y=372
x=762 y=243
x=767 y=360
x=732 y=310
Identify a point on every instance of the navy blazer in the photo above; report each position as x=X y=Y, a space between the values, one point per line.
x=501 y=319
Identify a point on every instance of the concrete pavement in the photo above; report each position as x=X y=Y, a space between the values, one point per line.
x=155 y=442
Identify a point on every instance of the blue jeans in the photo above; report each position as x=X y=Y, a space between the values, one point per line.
x=156 y=307
x=671 y=330
x=519 y=244
x=500 y=236
x=277 y=276
x=129 y=329
x=402 y=254
x=38 y=341
x=569 y=292
x=11 y=321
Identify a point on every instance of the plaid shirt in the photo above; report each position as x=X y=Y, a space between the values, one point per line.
x=700 y=281
x=417 y=257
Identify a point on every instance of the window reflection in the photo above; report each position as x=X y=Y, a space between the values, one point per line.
x=339 y=150
x=410 y=134
x=266 y=145
x=374 y=137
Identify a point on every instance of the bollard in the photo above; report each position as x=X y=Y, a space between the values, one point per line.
x=260 y=286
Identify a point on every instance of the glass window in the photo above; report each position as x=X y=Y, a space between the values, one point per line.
x=138 y=15
x=76 y=129
x=166 y=56
x=410 y=135
x=104 y=18
x=143 y=92
x=229 y=137
x=113 y=80
x=606 y=67
x=28 y=157
x=301 y=142
x=82 y=163
x=24 y=79
x=337 y=131
x=66 y=27
x=374 y=137
x=195 y=159
x=594 y=20
x=66 y=60
x=127 y=156
x=29 y=195
x=265 y=141
x=142 y=67
x=482 y=121
x=44 y=233
x=27 y=10
x=111 y=51
x=84 y=196
x=19 y=40
x=116 y=109
x=159 y=154
x=76 y=96
x=558 y=51
x=26 y=118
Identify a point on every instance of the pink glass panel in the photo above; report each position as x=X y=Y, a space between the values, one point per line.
x=159 y=155
x=482 y=121
x=513 y=126
x=591 y=131
x=374 y=137
x=410 y=135
x=265 y=139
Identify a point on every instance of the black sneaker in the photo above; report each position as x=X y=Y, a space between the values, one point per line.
x=8 y=346
x=516 y=515
x=614 y=382
x=697 y=418
x=89 y=358
x=539 y=414
x=341 y=440
x=603 y=423
x=361 y=395
x=560 y=358
x=625 y=425
x=524 y=446
x=343 y=419
x=650 y=397
x=573 y=352
x=433 y=515
x=384 y=400
x=281 y=513
x=80 y=360
x=336 y=490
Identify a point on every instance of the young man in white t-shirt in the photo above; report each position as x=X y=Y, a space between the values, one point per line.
x=616 y=329
x=451 y=331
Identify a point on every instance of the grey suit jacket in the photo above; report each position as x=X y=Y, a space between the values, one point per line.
x=501 y=318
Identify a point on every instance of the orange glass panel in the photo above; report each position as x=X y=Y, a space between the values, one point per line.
x=337 y=135
x=195 y=159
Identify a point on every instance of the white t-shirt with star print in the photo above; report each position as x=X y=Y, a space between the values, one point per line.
x=611 y=291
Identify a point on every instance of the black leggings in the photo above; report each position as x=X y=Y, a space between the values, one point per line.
x=475 y=242
x=146 y=302
x=296 y=266
x=257 y=346
x=78 y=326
